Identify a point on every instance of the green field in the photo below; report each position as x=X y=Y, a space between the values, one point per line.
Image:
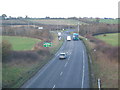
x=58 y=21
x=21 y=43
x=108 y=21
x=111 y=39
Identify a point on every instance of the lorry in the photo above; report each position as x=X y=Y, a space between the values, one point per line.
x=68 y=38
x=75 y=36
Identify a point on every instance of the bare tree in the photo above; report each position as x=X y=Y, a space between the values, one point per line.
x=4 y=16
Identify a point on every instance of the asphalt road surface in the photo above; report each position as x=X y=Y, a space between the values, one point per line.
x=68 y=73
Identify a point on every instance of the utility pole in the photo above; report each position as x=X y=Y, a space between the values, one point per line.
x=68 y=27
x=78 y=27
x=28 y=28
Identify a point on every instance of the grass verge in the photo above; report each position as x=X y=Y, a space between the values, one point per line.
x=91 y=75
x=101 y=67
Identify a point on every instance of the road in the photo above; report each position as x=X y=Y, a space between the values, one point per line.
x=69 y=73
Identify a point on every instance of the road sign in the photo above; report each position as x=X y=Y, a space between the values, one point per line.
x=46 y=44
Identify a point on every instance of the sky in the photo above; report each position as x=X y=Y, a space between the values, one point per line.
x=60 y=8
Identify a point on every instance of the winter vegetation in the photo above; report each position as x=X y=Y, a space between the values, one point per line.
x=23 y=52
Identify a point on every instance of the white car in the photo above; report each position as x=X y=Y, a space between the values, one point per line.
x=68 y=38
x=62 y=56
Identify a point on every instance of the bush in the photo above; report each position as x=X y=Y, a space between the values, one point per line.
x=6 y=48
x=27 y=56
x=109 y=51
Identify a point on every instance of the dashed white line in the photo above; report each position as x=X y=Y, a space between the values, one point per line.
x=54 y=86
x=83 y=70
x=58 y=55
x=69 y=58
x=61 y=73
x=66 y=64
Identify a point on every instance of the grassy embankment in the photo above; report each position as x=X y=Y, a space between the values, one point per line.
x=103 y=66
x=15 y=73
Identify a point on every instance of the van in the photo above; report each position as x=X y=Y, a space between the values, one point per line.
x=68 y=38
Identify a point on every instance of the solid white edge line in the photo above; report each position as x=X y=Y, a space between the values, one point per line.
x=83 y=70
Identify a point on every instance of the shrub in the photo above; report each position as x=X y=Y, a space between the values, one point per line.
x=111 y=52
x=6 y=48
x=24 y=55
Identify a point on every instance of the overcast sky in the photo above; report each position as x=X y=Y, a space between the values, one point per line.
x=60 y=8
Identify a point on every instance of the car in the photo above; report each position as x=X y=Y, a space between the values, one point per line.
x=68 y=38
x=62 y=56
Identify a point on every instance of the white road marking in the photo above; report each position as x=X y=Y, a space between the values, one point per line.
x=61 y=73
x=69 y=58
x=54 y=86
x=83 y=70
x=58 y=55
x=66 y=64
